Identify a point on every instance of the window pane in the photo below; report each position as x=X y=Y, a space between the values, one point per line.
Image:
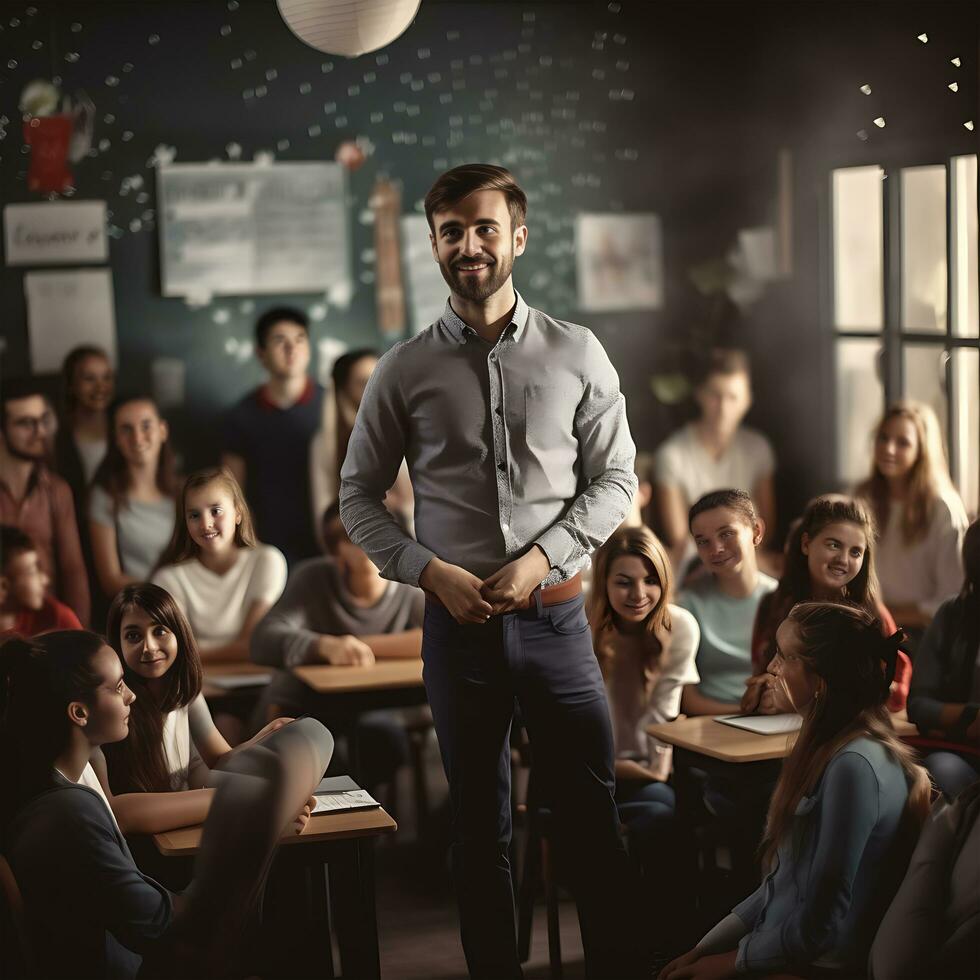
x=966 y=307
x=924 y=249
x=857 y=243
x=925 y=380
x=966 y=388
x=860 y=400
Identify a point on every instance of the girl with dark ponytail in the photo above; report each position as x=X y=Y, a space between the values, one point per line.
x=843 y=818
x=89 y=911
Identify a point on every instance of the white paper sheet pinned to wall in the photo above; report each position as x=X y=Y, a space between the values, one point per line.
x=65 y=309
x=53 y=232
x=620 y=262
x=242 y=228
x=427 y=290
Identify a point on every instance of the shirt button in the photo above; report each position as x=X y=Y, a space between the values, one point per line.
x=502 y=467
x=505 y=527
x=493 y=357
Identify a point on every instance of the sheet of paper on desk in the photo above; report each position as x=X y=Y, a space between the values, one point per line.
x=232 y=682
x=764 y=724
x=354 y=799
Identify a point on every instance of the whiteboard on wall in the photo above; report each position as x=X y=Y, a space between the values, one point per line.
x=240 y=228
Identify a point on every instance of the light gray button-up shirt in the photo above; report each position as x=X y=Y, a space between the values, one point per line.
x=508 y=445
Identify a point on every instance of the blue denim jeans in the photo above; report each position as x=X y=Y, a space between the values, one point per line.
x=543 y=658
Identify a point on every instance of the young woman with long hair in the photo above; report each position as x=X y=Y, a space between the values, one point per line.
x=844 y=815
x=62 y=696
x=155 y=779
x=727 y=530
x=328 y=450
x=646 y=647
x=919 y=513
x=945 y=699
x=222 y=578
x=131 y=501
x=830 y=557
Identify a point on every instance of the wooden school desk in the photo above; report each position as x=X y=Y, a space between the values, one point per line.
x=384 y=684
x=342 y=841
x=237 y=672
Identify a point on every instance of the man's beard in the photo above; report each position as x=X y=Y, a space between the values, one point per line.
x=42 y=456
x=474 y=289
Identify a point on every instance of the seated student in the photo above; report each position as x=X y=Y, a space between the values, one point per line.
x=348 y=379
x=646 y=648
x=83 y=436
x=26 y=607
x=726 y=530
x=81 y=440
x=222 y=579
x=267 y=435
x=843 y=819
x=131 y=501
x=919 y=513
x=945 y=699
x=89 y=910
x=154 y=779
x=36 y=500
x=339 y=610
x=829 y=558
x=713 y=452
x=932 y=927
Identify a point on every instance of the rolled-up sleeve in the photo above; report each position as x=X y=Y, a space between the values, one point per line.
x=607 y=454
x=848 y=814
x=375 y=452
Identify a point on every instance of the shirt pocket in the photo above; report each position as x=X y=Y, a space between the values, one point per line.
x=545 y=424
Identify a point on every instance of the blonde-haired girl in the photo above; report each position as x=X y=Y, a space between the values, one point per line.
x=919 y=513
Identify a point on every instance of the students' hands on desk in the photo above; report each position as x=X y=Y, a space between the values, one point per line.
x=458 y=590
x=693 y=966
x=344 y=651
x=510 y=587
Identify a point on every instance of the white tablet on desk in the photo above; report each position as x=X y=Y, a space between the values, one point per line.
x=235 y=682
x=764 y=724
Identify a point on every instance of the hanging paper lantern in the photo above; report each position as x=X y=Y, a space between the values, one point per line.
x=348 y=27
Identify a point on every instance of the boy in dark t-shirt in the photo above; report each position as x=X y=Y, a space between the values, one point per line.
x=339 y=610
x=266 y=439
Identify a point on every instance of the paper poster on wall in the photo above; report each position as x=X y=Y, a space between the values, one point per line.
x=242 y=228
x=620 y=262
x=52 y=232
x=65 y=309
x=427 y=289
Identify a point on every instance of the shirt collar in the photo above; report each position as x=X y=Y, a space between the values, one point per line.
x=460 y=330
x=262 y=396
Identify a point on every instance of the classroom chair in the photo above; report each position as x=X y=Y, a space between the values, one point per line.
x=16 y=946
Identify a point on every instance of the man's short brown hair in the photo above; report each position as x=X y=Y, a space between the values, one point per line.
x=462 y=181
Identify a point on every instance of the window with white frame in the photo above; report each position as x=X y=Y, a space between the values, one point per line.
x=905 y=308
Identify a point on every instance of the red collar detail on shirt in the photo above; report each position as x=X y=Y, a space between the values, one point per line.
x=262 y=396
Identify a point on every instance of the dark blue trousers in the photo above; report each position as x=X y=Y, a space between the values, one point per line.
x=543 y=657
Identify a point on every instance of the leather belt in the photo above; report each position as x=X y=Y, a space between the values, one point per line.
x=550 y=595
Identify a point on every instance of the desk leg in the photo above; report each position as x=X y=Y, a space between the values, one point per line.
x=687 y=790
x=355 y=914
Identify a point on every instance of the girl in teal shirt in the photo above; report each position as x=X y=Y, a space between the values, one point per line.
x=844 y=815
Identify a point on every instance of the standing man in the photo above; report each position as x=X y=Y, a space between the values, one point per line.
x=517 y=443
x=36 y=500
x=267 y=436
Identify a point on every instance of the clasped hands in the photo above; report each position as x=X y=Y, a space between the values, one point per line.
x=470 y=600
x=764 y=695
